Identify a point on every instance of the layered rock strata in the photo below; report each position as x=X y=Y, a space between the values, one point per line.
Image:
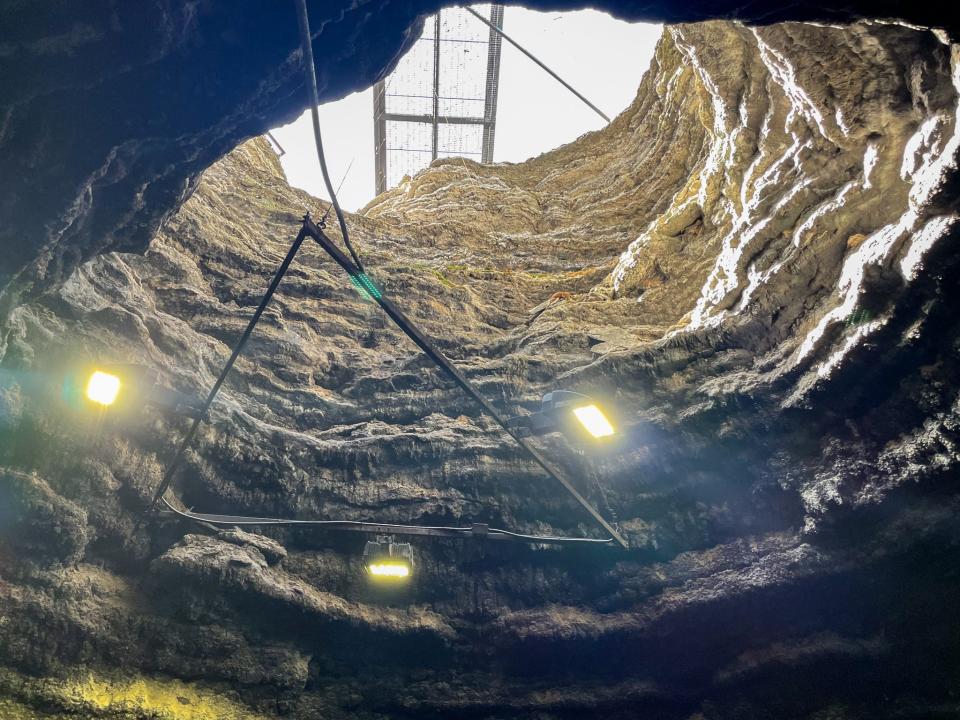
x=110 y=112
x=755 y=263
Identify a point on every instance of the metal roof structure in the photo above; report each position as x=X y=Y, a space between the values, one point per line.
x=441 y=99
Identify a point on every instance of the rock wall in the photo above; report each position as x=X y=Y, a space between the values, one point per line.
x=110 y=112
x=755 y=262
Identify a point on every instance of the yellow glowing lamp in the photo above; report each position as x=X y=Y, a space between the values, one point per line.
x=389 y=570
x=594 y=421
x=387 y=560
x=103 y=388
x=568 y=412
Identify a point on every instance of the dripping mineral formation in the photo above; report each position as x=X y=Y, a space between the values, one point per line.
x=757 y=260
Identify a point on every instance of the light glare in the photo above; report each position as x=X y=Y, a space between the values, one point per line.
x=103 y=388
x=594 y=421
x=397 y=570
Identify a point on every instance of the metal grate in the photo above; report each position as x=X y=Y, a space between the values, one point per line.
x=441 y=99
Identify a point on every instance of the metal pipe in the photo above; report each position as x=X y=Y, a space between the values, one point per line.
x=238 y=348
x=530 y=55
x=452 y=371
x=493 y=84
x=276 y=142
x=436 y=84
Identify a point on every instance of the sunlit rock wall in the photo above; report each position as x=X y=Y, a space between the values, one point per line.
x=755 y=263
x=109 y=112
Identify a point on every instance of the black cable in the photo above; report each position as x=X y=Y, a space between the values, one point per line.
x=238 y=348
x=550 y=539
x=310 y=229
x=385 y=528
x=310 y=70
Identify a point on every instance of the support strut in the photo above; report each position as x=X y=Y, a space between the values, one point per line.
x=365 y=284
x=535 y=59
x=361 y=280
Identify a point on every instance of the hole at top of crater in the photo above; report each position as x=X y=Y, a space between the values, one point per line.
x=462 y=91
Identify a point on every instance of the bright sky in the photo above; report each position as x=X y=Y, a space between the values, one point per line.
x=601 y=57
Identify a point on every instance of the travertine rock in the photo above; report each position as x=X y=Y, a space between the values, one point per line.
x=110 y=112
x=755 y=263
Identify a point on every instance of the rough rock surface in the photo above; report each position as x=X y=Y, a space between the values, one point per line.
x=109 y=112
x=756 y=262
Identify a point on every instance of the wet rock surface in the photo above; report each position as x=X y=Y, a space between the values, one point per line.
x=756 y=263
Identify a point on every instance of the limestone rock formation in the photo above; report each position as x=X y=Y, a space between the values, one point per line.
x=756 y=263
x=110 y=112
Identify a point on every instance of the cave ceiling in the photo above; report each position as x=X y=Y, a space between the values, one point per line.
x=110 y=111
x=755 y=263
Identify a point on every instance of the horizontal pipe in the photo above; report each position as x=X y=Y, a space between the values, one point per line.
x=482 y=532
x=442 y=119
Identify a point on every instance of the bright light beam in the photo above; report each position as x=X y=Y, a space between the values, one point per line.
x=103 y=388
x=393 y=570
x=594 y=421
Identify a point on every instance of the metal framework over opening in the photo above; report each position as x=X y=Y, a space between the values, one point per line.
x=441 y=100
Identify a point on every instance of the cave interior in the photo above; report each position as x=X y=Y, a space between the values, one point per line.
x=750 y=267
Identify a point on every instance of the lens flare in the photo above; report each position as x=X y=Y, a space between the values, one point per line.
x=103 y=388
x=595 y=422
x=391 y=570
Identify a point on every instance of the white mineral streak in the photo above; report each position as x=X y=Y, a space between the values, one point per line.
x=927 y=159
x=922 y=141
x=922 y=241
x=724 y=277
x=748 y=206
x=825 y=208
x=849 y=342
x=869 y=163
x=747 y=225
x=763 y=198
x=844 y=128
x=783 y=72
x=756 y=278
x=719 y=158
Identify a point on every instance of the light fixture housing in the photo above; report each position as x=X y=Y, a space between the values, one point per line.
x=569 y=412
x=103 y=388
x=126 y=386
x=384 y=559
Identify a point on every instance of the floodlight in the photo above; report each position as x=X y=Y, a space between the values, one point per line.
x=385 y=559
x=565 y=411
x=594 y=421
x=389 y=569
x=131 y=386
x=103 y=388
